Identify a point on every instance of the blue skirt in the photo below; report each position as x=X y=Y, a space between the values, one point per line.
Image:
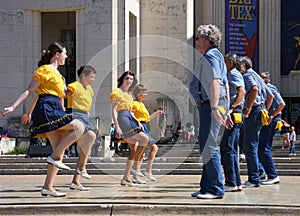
x=146 y=131
x=48 y=115
x=83 y=117
x=128 y=124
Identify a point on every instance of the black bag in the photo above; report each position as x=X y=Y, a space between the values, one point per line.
x=39 y=150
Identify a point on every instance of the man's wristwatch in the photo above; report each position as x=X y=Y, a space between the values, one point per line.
x=232 y=107
x=214 y=108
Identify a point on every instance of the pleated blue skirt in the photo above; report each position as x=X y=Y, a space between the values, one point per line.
x=48 y=115
x=146 y=131
x=128 y=124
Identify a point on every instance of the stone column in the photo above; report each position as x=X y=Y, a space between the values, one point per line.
x=270 y=39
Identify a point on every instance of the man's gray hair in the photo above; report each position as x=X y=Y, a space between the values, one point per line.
x=265 y=75
x=212 y=32
x=232 y=57
x=246 y=60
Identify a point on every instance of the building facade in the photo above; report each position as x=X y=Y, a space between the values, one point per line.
x=155 y=39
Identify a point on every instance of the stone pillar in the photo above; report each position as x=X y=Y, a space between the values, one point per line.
x=270 y=39
x=105 y=148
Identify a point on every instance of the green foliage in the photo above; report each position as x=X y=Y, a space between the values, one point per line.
x=18 y=151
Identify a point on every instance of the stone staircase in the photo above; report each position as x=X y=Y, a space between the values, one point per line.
x=179 y=158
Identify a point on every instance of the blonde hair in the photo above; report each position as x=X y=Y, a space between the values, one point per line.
x=292 y=128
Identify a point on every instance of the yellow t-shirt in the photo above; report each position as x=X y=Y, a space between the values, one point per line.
x=80 y=98
x=50 y=81
x=121 y=98
x=140 y=111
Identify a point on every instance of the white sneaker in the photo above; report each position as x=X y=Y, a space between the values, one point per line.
x=137 y=172
x=148 y=175
x=230 y=188
x=263 y=177
x=272 y=181
x=195 y=194
x=54 y=193
x=248 y=184
x=208 y=196
x=58 y=164
x=83 y=174
x=128 y=183
x=240 y=188
x=78 y=187
x=137 y=181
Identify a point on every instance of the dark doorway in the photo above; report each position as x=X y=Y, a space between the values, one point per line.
x=60 y=26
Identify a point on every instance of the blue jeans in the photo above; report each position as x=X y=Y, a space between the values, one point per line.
x=252 y=126
x=241 y=139
x=261 y=169
x=212 y=180
x=292 y=147
x=266 y=136
x=230 y=154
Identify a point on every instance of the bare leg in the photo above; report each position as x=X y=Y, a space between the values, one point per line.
x=137 y=165
x=142 y=140
x=75 y=129
x=85 y=143
x=54 y=138
x=136 y=152
x=50 y=177
x=283 y=142
x=152 y=154
x=129 y=162
x=139 y=153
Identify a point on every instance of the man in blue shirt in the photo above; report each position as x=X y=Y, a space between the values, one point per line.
x=212 y=104
x=268 y=132
x=258 y=97
x=230 y=140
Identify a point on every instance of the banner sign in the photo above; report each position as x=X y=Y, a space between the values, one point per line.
x=242 y=29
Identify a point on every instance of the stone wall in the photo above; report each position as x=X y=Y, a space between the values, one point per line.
x=165 y=70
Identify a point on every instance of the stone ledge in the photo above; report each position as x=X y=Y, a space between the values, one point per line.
x=145 y=210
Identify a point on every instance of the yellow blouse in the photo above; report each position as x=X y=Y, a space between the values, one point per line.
x=121 y=98
x=140 y=111
x=51 y=82
x=80 y=98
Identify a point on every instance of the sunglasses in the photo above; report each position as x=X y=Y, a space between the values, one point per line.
x=201 y=36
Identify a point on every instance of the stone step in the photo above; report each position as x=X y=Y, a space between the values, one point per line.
x=22 y=159
x=120 y=165
x=35 y=166
x=178 y=158
x=196 y=171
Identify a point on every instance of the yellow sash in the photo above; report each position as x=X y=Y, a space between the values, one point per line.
x=279 y=124
x=264 y=117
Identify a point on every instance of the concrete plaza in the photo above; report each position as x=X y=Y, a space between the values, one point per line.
x=169 y=195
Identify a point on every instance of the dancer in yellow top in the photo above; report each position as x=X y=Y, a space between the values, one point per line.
x=126 y=125
x=49 y=117
x=79 y=94
x=142 y=114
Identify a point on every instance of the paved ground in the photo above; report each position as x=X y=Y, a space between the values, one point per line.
x=170 y=195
